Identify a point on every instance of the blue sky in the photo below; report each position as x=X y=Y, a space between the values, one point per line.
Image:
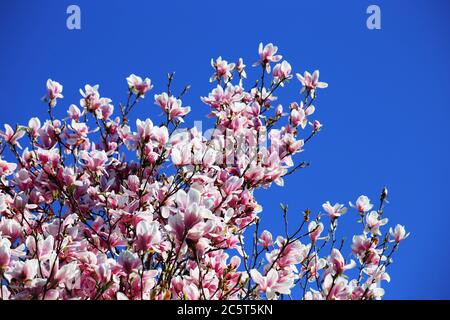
x=385 y=112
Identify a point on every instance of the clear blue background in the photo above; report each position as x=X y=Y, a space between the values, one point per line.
x=385 y=113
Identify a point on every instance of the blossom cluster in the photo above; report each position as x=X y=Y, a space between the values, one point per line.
x=93 y=206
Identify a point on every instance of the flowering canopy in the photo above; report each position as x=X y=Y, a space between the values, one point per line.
x=78 y=220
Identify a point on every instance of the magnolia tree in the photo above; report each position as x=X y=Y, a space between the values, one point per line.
x=79 y=219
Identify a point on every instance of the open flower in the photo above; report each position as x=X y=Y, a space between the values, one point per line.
x=338 y=263
x=139 y=86
x=54 y=91
x=5 y=252
x=311 y=82
x=362 y=204
x=148 y=236
x=6 y=168
x=334 y=211
x=399 y=233
x=265 y=239
x=222 y=69
x=281 y=72
x=12 y=136
x=272 y=284
x=373 y=223
x=315 y=229
x=172 y=106
x=267 y=54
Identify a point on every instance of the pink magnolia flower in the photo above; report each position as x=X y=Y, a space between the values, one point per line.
x=297 y=117
x=24 y=271
x=12 y=136
x=336 y=289
x=10 y=228
x=34 y=125
x=271 y=284
x=311 y=82
x=182 y=155
x=222 y=69
x=334 y=211
x=54 y=90
x=317 y=126
x=74 y=112
x=240 y=68
x=362 y=204
x=172 y=106
x=399 y=233
x=232 y=184
x=148 y=236
x=5 y=253
x=361 y=244
x=6 y=168
x=337 y=262
x=315 y=230
x=373 y=223
x=188 y=222
x=129 y=261
x=267 y=54
x=282 y=71
x=139 y=86
x=265 y=239
x=95 y=160
x=67 y=273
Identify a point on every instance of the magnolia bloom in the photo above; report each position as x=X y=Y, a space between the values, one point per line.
x=267 y=54
x=54 y=90
x=95 y=160
x=373 y=223
x=6 y=168
x=265 y=239
x=24 y=271
x=12 y=136
x=188 y=222
x=315 y=229
x=171 y=106
x=281 y=72
x=317 y=126
x=376 y=274
x=311 y=82
x=232 y=184
x=34 y=125
x=240 y=68
x=222 y=68
x=362 y=204
x=271 y=284
x=361 y=244
x=148 y=235
x=67 y=273
x=399 y=233
x=298 y=117
x=336 y=289
x=5 y=253
x=337 y=262
x=129 y=261
x=279 y=110
x=334 y=211
x=139 y=86
x=74 y=112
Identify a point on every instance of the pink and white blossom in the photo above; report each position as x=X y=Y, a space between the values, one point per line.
x=101 y=206
x=398 y=233
x=139 y=86
x=334 y=211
